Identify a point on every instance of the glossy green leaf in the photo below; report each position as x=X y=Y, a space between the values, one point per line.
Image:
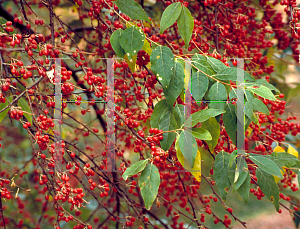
x=242 y=169
x=249 y=111
x=132 y=40
x=216 y=64
x=185 y=25
x=201 y=133
x=132 y=9
x=233 y=94
x=199 y=85
x=115 y=43
x=263 y=92
x=217 y=95
x=149 y=182
x=268 y=186
x=229 y=120
x=3 y=113
x=214 y=128
x=203 y=115
x=167 y=119
x=266 y=84
x=232 y=158
x=266 y=164
x=159 y=109
x=260 y=106
x=162 y=64
x=170 y=15
x=134 y=169
x=25 y=107
x=188 y=146
x=249 y=108
x=244 y=189
x=231 y=74
x=221 y=173
x=176 y=84
x=284 y=159
x=201 y=63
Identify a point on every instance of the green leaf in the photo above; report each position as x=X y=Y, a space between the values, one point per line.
x=185 y=25
x=3 y=113
x=201 y=63
x=244 y=189
x=266 y=164
x=296 y=219
x=149 y=183
x=214 y=128
x=268 y=186
x=233 y=94
x=132 y=9
x=260 y=106
x=242 y=169
x=217 y=95
x=115 y=43
x=201 y=133
x=159 y=109
x=229 y=120
x=221 y=173
x=232 y=158
x=249 y=109
x=188 y=146
x=132 y=40
x=263 y=92
x=249 y=112
x=169 y=16
x=25 y=107
x=267 y=84
x=231 y=74
x=162 y=64
x=216 y=64
x=176 y=84
x=203 y=115
x=199 y=85
x=284 y=159
x=134 y=169
x=167 y=119
x=232 y=173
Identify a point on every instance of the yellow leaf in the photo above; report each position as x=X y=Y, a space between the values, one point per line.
x=249 y=129
x=131 y=63
x=292 y=151
x=147 y=47
x=279 y=149
x=186 y=165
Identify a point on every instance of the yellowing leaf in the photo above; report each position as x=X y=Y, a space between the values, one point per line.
x=131 y=63
x=147 y=47
x=279 y=149
x=249 y=131
x=292 y=151
x=277 y=179
x=186 y=165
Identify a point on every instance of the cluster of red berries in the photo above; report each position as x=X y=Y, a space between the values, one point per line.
x=44 y=122
x=42 y=140
x=16 y=114
x=143 y=58
x=2 y=98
